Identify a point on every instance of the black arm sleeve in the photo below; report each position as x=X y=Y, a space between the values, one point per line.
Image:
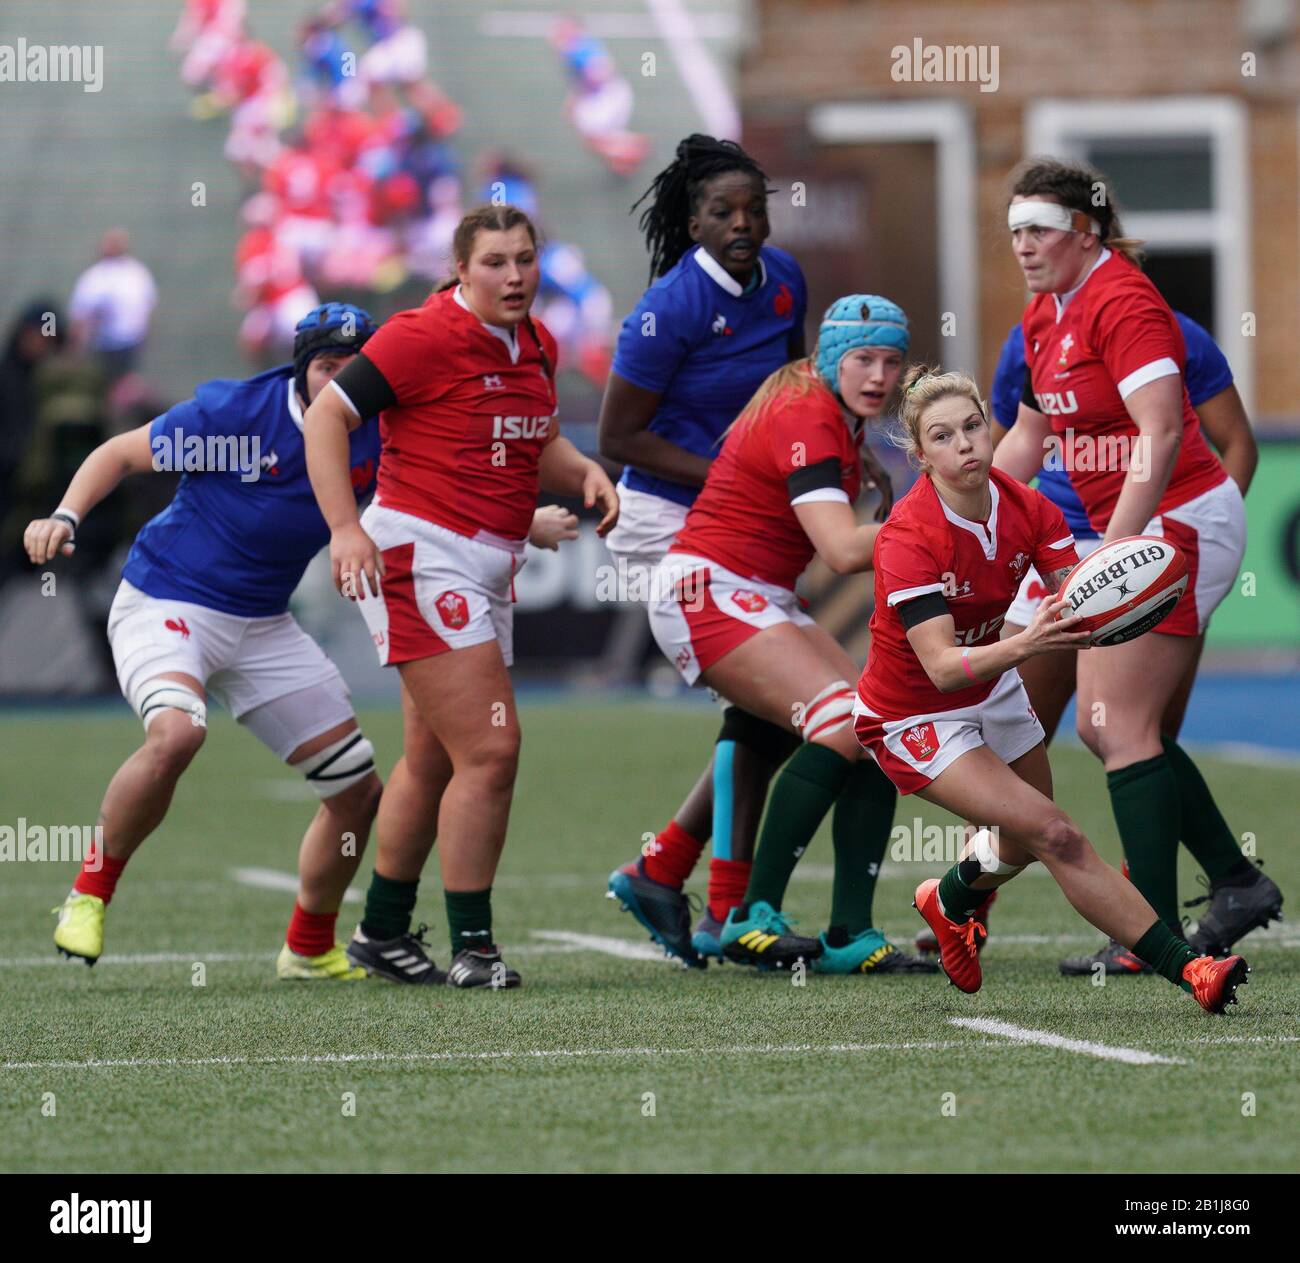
x=365 y=385
x=1027 y=396
x=825 y=473
x=922 y=609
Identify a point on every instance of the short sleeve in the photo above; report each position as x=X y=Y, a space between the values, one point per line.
x=1009 y=379
x=906 y=567
x=805 y=430
x=1208 y=372
x=1054 y=543
x=653 y=341
x=404 y=353
x=1137 y=340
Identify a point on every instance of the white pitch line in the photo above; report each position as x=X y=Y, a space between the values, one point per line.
x=270 y=879
x=1046 y=1039
x=620 y=947
x=142 y=958
x=537 y=1054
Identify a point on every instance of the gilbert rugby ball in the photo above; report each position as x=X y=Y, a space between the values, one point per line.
x=1125 y=588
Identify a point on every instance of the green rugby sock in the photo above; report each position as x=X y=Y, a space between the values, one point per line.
x=956 y=897
x=389 y=905
x=469 y=918
x=801 y=796
x=1148 y=813
x=1205 y=832
x=860 y=826
x=1166 y=953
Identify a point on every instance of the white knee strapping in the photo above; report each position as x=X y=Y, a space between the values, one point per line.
x=983 y=850
x=829 y=711
x=338 y=766
x=154 y=696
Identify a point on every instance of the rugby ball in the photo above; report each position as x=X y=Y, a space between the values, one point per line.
x=1125 y=588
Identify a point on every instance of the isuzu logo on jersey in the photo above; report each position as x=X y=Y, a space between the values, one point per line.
x=973 y=635
x=453 y=609
x=1056 y=403
x=521 y=427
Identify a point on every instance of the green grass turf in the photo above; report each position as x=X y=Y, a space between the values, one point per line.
x=594 y=778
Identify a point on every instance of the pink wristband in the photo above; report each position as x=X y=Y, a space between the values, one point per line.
x=965 y=666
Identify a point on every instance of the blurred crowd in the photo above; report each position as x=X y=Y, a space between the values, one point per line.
x=68 y=381
x=353 y=182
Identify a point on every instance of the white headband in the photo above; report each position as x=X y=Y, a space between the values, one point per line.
x=1049 y=215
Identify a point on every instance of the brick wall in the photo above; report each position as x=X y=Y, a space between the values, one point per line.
x=808 y=51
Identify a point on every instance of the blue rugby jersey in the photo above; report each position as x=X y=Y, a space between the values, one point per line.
x=243 y=523
x=705 y=345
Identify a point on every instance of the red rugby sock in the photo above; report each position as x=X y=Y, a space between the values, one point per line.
x=727 y=882
x=672 y=856
x=310 y=933
x=99 y=874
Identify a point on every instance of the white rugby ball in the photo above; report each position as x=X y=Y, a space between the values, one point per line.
x=1126 y=587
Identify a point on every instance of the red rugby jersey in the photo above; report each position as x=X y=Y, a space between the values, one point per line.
x=474 y=410
x=977 y=567
x=742 y=518
x=1112 y=335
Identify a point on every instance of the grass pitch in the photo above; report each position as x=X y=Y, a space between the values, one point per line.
x=601 y=1061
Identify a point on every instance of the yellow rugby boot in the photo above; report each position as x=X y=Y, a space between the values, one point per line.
x=80 y=931
x=291 y=967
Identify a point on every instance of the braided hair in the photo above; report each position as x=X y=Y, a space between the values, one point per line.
x=675 y=192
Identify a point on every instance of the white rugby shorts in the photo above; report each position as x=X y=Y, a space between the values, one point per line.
x=267 y=672
x=440 y=591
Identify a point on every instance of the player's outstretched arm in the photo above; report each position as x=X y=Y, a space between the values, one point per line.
x=353 y=554
x=843 y=544
x=565 y=471
x=98 y=477
x=950 y=667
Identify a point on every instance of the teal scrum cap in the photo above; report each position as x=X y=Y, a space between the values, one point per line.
x=854 y=321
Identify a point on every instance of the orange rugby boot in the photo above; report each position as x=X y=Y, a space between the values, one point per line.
x=958 y=943
x=1215 y=982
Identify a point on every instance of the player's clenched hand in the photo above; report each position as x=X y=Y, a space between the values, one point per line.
x=1047 y=630
x=46 y=536
x=355 y=562
x=551 y=526
x=598 y=490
